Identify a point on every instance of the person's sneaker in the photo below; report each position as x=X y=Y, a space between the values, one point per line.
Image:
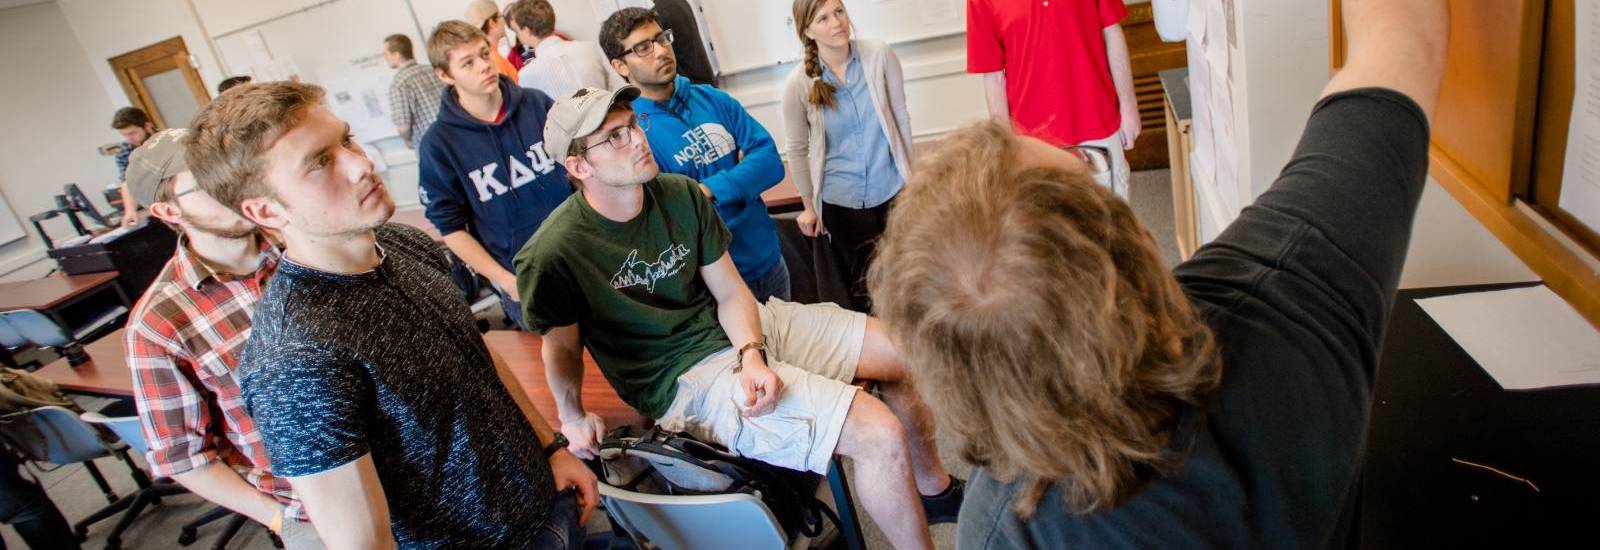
x=943 y=507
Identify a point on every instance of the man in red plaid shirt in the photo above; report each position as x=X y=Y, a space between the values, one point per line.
x=183 y=340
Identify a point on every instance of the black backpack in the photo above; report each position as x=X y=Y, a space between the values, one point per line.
x=659 y=462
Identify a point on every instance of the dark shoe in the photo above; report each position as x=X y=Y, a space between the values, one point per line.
x=943 y=507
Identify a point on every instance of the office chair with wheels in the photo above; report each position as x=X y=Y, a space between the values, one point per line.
x=11 y=342
x=128 y=428
x=55 y=435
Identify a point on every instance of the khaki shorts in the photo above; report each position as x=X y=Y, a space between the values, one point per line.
x=814 y=349
x=1119 y=163
x=297 y=535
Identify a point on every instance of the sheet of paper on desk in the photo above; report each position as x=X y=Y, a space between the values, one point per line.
x=1526 y=338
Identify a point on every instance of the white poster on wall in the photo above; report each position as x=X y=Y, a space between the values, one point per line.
x=1580 y=180
x=358 y=92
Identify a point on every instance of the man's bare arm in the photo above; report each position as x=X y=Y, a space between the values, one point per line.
x=347 y=506
x=472 y=253
x=994 y=95
x=1395 y=44
x=218 y=483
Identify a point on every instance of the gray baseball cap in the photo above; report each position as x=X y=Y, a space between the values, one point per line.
x=159 y=158
x=579 y=114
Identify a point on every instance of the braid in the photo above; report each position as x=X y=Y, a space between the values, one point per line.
x=821 y=90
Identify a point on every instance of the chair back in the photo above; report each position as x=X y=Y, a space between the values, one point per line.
x=681 y=522
x=126 y=427
x=36 y=327
x=10 y=337
x=53 y=434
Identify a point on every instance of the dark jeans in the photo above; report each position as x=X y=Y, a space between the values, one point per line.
x=562 y=529
x=25 y=506
x=513 y=309
x=855 y=232
x=774 y=283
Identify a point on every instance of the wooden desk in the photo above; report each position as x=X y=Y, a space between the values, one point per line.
x=54 y=294
x=57 y=290
x=1180 y=143
x=521 y=353
x=105 y=374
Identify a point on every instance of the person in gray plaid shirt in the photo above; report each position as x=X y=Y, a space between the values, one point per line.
x=414 y=95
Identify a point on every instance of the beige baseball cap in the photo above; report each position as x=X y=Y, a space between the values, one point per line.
x=579 y=114
x=479 y=11
x=159 y=158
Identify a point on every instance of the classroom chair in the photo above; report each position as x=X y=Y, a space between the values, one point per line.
x=25 y=327
x=127 y=428
x=56 y=435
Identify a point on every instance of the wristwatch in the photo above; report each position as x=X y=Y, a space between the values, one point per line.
x=559 y=443
x=757 y=345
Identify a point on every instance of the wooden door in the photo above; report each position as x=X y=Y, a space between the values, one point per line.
x=160 y=79
x=1149 y=56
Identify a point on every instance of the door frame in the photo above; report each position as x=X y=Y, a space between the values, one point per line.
x=172 y=48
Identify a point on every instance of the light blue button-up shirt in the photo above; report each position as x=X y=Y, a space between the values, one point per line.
x=858 y=170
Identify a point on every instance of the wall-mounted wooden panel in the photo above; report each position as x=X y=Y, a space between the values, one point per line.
x=1499 y=134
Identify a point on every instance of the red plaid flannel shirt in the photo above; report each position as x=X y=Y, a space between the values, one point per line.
x=183 y=341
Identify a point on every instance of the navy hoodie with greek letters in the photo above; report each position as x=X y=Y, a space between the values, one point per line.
x=493 y=180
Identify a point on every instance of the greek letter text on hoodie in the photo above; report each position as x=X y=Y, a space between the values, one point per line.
x=493 y=180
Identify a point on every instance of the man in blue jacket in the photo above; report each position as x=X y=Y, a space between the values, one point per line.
x=702 y=132
x=486 y=181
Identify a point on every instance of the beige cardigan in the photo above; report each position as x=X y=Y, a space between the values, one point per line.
x=805 y=134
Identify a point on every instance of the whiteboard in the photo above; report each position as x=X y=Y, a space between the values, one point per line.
x=10 y=227
x=751 y=34
x=225 y=16
x=320 y=45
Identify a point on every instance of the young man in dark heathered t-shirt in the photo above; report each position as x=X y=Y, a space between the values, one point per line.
x=1108 y=402
x=372 y=389
x=635 y=267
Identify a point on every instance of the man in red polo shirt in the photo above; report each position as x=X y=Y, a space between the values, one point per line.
x=1059 y=70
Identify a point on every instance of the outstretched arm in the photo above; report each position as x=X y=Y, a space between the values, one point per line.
x=1395 y=44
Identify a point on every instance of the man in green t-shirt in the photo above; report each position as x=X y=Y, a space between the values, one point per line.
x=635 y=268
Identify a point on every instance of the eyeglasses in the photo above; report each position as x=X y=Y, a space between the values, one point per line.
x=1097 y=158
x=644 y=48
x=621 y=136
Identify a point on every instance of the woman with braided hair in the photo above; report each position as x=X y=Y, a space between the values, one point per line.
x=847 y=136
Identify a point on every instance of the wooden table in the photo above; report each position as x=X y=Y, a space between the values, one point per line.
x=107 y=374
x=50 y=295
x=520 y=350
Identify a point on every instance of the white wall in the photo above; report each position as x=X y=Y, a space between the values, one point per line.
x=55 y=115
x=940 y=95
x=1279 y=71
x=108 y=28
x=1449 y=247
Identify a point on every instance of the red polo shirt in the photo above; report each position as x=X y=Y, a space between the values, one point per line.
x=1058 y=82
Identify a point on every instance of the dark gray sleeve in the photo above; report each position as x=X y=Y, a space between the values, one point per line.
x=1338 y=219
x=310 y=405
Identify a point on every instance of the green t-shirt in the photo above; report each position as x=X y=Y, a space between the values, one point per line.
x=633 y=287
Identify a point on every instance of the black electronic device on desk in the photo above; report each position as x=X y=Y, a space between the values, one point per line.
x=137 y=252
x=69 y=204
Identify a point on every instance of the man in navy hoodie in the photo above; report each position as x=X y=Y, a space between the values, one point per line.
x=486 y=181
x=702 y=132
